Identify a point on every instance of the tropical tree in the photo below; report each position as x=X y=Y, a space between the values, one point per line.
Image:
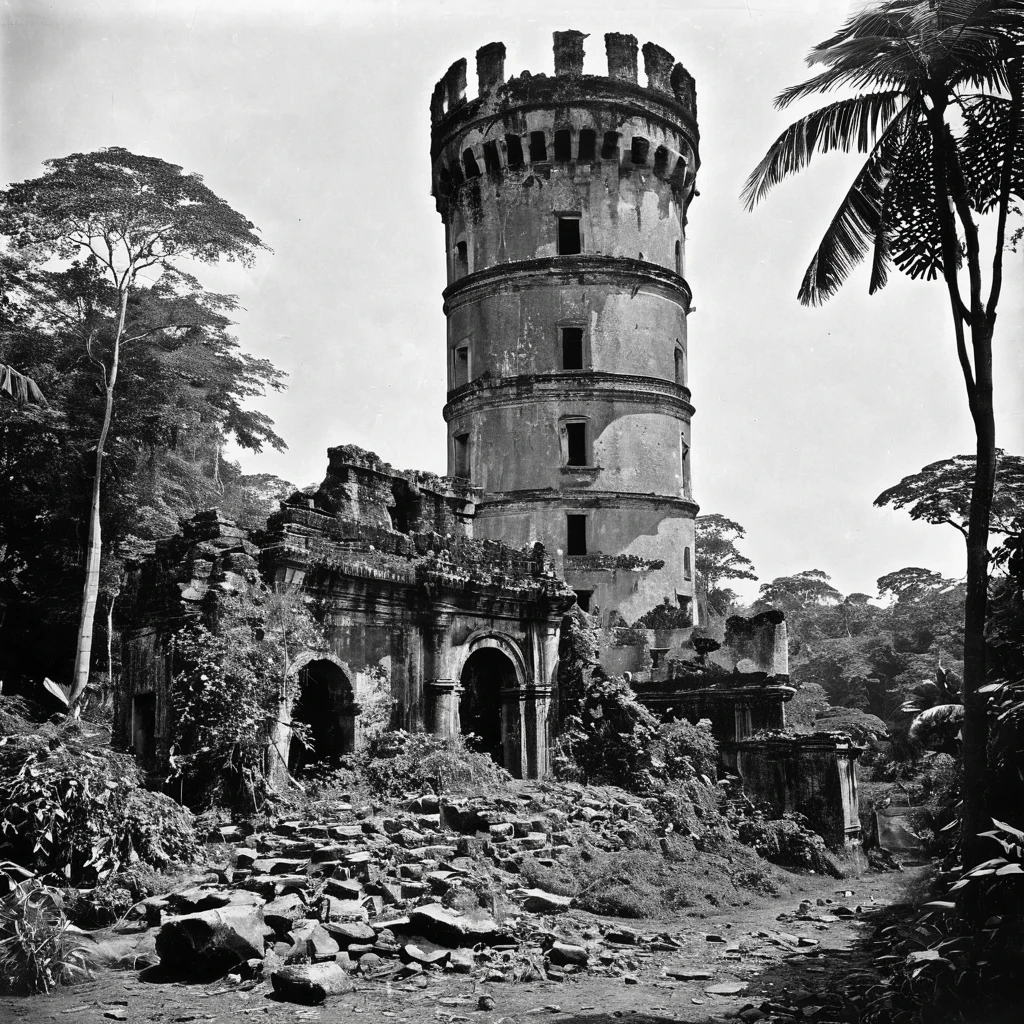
x=718 y=560
x=114 y=216
x=938 y=110
x=941 y=493
x=801 y=590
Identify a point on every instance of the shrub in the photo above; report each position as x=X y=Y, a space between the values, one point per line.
x=688 y=750
x=36 y=951
x=400 y=762
x=614 y=740
x=787 y=842
x=78 y=812
x=611 y=741
x=228 y=689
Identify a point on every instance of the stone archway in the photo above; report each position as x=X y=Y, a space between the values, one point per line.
x=325 y=706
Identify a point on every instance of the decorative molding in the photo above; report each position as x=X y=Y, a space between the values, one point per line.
x=569 y=386
x=580 y=269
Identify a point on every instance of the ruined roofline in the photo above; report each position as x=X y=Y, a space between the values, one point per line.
x=352 y=456
x=668 y=82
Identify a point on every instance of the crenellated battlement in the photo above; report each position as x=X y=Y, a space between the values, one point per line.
x=668 y=82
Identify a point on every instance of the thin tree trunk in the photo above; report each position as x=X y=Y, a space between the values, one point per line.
x=975 y=817
x=94 y=544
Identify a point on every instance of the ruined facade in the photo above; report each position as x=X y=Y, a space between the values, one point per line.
x=564 y=204
x=461 y=635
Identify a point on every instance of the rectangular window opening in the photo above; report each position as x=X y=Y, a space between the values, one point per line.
x=638 y=150
x=576 y=444
x=461 y=455
x=514 y=148
x=610 y=146
x=563 y=144
x=461 y=374
x=575 y=535
x=583 y=599
x=569 y=241
x=538 y=148
x=572 y=348
x=587 y=144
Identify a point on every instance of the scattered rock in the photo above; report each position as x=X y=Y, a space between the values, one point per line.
x=310 y=983
x=212 y=939
x=562 y=953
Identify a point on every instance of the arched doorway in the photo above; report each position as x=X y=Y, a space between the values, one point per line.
x=486 y=673
x=325 y=713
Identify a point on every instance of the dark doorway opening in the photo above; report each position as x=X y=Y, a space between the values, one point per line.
x=144 y=725
x=324 y=715
x=486 y=673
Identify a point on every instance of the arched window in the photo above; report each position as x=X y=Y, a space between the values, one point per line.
x=679 y=257
x=680 y=361
x=687 y=565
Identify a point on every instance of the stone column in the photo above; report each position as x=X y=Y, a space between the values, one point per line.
x=536 y=721
x=443 y=696
x=442 y=691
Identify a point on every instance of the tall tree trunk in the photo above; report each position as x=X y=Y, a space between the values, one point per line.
x=975 y=816
x=94 y=544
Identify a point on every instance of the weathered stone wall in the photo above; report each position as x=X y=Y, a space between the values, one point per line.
x=813 y=775
x=411 y=607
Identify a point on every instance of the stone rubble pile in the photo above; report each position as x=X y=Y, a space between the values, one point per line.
x=434 y=887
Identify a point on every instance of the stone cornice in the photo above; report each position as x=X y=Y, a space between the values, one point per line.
x=568 y=270
x=503 y=503
x=569 y=386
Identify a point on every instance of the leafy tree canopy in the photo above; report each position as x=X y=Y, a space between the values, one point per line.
x=802 y=590
x=717 y=559
x=941 y=492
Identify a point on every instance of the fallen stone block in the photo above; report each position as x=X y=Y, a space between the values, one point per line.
x=445 y=927
x=212 y=939
x=310 y=984
x=348 y=933
x=437 y=958
x=562 y=953
x=537 y=901
x=283 y=912
x=311 y=941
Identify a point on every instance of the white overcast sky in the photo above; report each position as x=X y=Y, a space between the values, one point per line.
x=311 y=118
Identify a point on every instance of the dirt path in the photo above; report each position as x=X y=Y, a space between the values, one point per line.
x=756 y=960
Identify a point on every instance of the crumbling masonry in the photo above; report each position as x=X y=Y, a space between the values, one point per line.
x=564 y=200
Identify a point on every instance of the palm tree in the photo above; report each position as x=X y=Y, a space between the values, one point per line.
x=938 y=110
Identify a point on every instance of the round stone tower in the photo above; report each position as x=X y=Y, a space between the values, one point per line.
x=564 y=203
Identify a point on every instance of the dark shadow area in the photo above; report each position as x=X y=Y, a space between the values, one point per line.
x=325 y=715
x=486 y=673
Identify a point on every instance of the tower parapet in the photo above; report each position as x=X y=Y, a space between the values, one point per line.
x=564 y=199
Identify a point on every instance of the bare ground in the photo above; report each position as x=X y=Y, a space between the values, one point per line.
x=752 y=955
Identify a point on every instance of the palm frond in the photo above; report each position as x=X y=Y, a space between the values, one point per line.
x=844 y=125
x=912 y=221
x=995 y=125
x=856 y=224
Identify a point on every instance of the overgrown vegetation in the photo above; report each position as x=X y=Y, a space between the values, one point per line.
x=75 y=812
x=231 y=686
x=37 y=952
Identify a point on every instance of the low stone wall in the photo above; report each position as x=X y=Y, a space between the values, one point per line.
x=813 y=775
